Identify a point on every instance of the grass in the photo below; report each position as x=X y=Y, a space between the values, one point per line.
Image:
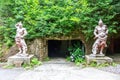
x=8 y=67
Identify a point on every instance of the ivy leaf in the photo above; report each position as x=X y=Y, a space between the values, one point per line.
x=114 y=31
x=75 y=19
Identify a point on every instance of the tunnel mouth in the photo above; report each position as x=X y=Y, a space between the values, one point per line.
x=113 y=47
x=60 y=48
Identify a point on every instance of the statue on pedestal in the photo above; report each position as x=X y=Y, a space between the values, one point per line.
x=19 y=39
x=100 y=33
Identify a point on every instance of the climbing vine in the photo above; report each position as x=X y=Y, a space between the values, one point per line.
x=44 y=18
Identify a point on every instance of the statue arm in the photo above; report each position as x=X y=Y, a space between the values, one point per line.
x=106 y=31
x=24 y=33
x=95 y=32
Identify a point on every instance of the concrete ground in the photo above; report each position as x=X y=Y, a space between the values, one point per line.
x=10 y=74
x=57 y=69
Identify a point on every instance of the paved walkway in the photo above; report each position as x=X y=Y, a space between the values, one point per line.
x=10 y=74
x=59 y=69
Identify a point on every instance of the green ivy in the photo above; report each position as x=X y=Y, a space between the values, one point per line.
x=1 y=53
x=33 y=63
x=44 y=18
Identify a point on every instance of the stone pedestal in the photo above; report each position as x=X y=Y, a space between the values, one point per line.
x=18 y=60
x=98 y=59
x=18 y=63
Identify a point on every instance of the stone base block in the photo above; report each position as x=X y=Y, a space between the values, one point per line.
x=18 y=60
x=18 y=63
x=98 y=59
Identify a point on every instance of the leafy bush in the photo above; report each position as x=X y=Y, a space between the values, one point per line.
x=1 y=53
x=76 y=54
x=8 y=66
x=34 y=62
x=100 y=65
x=44 y=18
x=47 y=59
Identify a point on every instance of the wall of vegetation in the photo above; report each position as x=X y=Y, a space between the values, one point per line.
x=43 y=18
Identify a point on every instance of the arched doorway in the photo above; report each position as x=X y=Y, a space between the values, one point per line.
x=59 y=48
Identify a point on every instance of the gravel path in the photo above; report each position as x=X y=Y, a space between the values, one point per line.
x=59 y=69
x=55 y=68
x=113 y=69
x=10 y=74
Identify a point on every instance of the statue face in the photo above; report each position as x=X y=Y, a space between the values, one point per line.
x=100 y=24
x=20 y=26
x=17 y=25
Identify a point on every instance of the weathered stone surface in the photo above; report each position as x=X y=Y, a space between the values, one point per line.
x=2 y=64
x=38 y=48
x=8 y=52
x=98 y=59
x=97 y=55
x=19 y=60
x=18 y=63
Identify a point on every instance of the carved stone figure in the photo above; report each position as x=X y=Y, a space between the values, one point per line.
x=100 y=33
x=19 y=39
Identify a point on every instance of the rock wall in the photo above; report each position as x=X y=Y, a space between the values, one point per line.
x=8 y=52
x=38 y=47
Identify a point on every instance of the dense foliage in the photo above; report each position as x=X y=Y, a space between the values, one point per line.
x=77 y=54
x=44 y=18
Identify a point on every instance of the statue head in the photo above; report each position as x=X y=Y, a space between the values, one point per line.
x=19 y=24
x=100 y=23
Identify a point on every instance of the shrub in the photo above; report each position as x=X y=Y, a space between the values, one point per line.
x=76 y=54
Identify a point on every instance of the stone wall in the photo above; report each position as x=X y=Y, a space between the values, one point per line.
x=8 y=52
x=38 y=47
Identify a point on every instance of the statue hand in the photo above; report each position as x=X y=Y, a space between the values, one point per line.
x=96 y=37
x=22 y=37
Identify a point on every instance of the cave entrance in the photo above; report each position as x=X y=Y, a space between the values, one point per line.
x=59 y=48
x=114 y=46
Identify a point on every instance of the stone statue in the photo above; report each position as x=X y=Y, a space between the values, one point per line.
x=100 y=33
x=19 y=39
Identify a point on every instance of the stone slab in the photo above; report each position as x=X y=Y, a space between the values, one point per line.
x=98 y=59
x=14 y=59
x=97 y=55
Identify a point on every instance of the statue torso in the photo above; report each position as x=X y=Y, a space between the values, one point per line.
x=20 y=32
x=101 y=29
